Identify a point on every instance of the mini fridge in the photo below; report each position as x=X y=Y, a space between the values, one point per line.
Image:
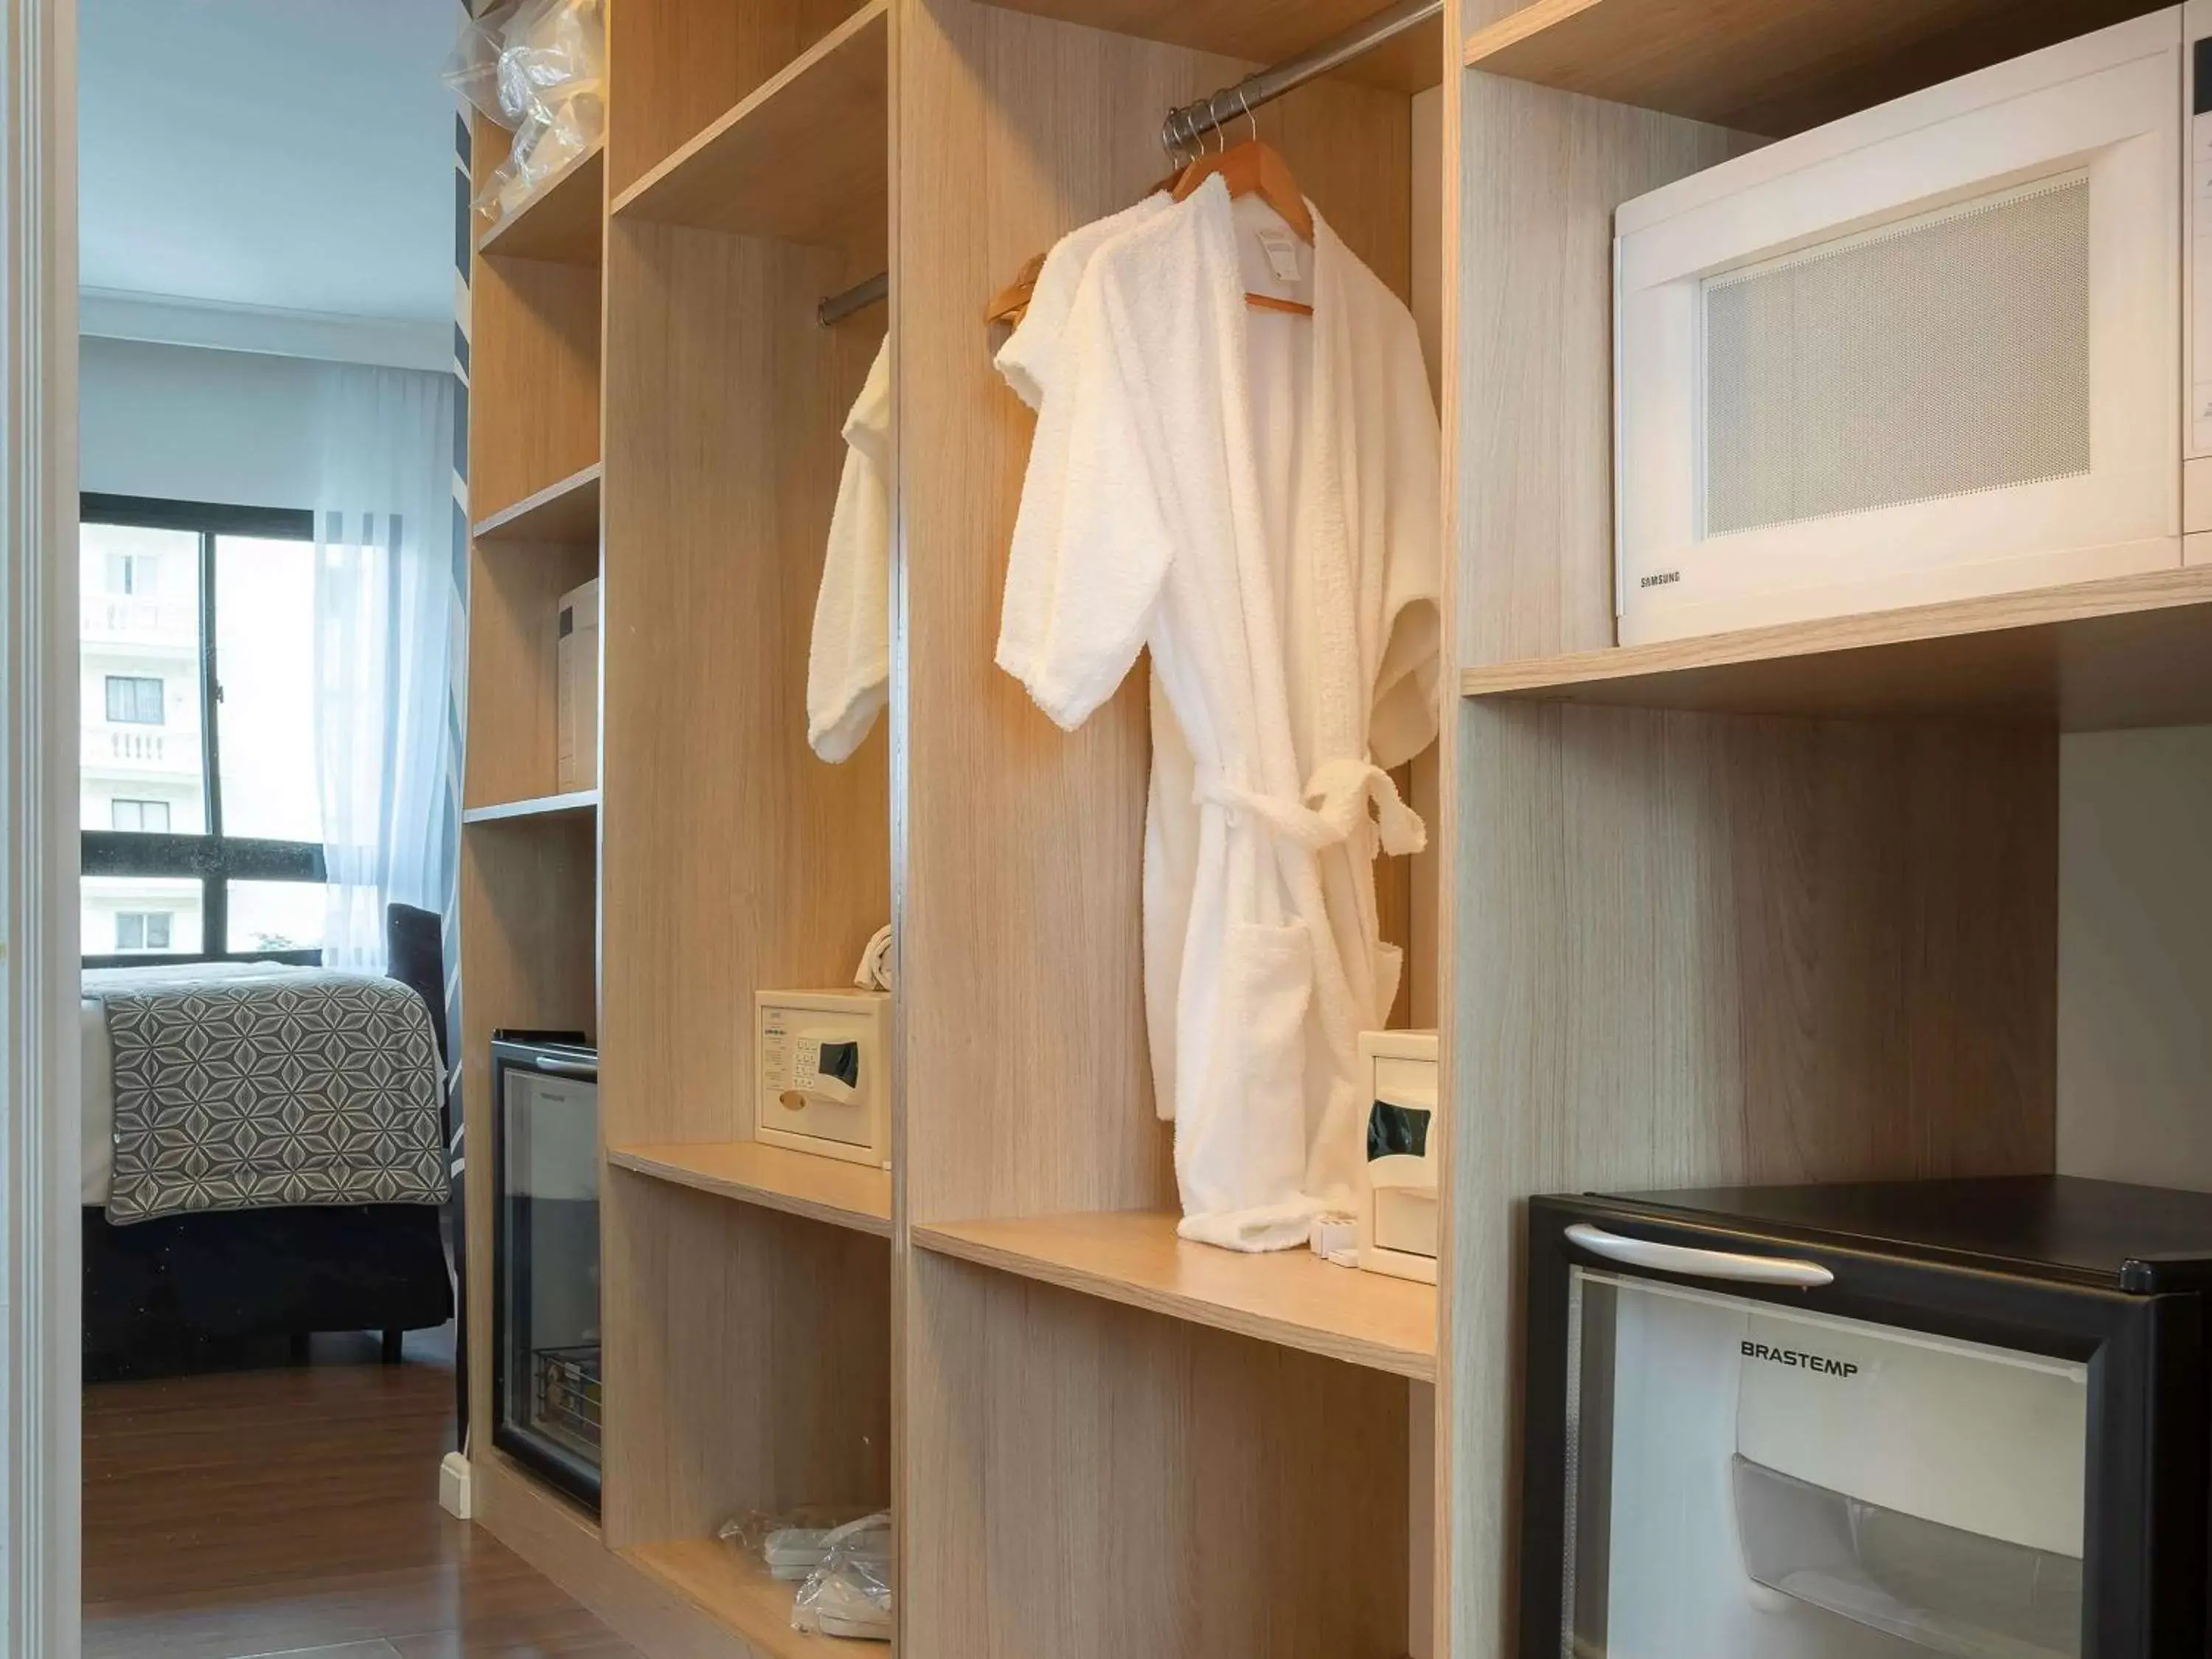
x=545 y=1262
x=1881 y=1421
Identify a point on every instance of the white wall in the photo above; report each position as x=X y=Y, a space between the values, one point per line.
x=2135 y=957
x=233 y=427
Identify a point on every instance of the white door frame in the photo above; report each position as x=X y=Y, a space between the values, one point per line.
x=40 y=1334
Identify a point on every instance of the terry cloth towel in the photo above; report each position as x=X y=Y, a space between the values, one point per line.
x=848 y=665
x=874 y=973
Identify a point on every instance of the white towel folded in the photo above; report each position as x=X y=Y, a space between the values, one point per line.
x=874 y=973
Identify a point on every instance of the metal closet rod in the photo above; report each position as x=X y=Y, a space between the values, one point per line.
x=859 y=297
x=1184 y=126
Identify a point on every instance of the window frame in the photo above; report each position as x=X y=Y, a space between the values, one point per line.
x=213 y=857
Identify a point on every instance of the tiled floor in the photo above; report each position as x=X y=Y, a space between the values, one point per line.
x=294 y=1511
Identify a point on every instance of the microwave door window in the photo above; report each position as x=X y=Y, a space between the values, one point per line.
x=1748 y=1483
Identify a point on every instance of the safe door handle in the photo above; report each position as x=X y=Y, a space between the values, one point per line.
x=1699 y=1264
x=565 y=1067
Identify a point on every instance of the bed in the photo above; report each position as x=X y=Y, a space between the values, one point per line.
x=263 y=1154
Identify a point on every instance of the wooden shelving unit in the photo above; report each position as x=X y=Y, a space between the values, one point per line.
x=2127 y=651
x=1292 y=1298
x=1777 y=905
x=1780 y=905
x=799 y=1184
x=529 y=854
x=561 y=221
x=1011 y=1297
x=1770 y=67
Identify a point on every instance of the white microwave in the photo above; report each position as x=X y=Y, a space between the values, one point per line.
x=1953 y=346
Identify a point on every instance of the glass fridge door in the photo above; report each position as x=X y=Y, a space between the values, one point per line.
x=1746 y=1481
x=548 y=1274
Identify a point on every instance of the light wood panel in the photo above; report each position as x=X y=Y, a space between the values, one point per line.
x=1019 y=914
x=514 y=711
x=740 y=1596
x=735 y=861
x=533 y=368
x=1702 y=948
x=1262 y=31
x=1541 y=175
x=2127 y=651
x=803 y=158
x=752 y=1350
x=576 y=802
x=1132 y=1485
x=1687 y=946
x=1771 y=66
x=562 y=219
x=642 y=1606
x=527 y=892
x=566 y=512
x=676 y=66
x=827 y=1190
x=1292 y=1296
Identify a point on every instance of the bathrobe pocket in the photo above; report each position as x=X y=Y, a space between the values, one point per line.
x=1266 y=988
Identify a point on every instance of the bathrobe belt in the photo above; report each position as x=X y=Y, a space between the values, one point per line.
x=1337 y=796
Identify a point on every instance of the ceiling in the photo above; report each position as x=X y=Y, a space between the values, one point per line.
x=286 y=155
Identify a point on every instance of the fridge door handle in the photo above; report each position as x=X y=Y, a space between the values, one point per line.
x=1699 y=1264
x=565 y=1067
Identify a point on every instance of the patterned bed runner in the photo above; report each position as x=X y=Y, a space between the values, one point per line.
x=307 y=1087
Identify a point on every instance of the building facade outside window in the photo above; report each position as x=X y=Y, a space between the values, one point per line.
x=201 y=825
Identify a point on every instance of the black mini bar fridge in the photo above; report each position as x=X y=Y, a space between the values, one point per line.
x=1874 y=1421
x=546 y=1259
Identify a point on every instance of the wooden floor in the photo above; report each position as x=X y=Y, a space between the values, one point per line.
x=295 y=1511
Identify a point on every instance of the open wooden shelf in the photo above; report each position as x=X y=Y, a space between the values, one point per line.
x=717 y=1579
x=565 y=511
x=1290 y=1298
x=561 y=222
x=775 y=1177
x=2127 y=651
x=805 y=158
x=575 y=803
x=1772 y=67
x=1263 y=32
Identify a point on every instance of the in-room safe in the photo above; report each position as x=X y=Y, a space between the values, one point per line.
x=1867 y=1422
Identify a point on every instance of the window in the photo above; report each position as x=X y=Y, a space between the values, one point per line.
x=143 y=930
x=134 y=700
x=202 y=827
x=140 y=817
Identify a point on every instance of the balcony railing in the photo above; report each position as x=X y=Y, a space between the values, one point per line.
x=157 y=622
x=140 y=748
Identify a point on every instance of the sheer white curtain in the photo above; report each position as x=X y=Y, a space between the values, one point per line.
x=388 y=619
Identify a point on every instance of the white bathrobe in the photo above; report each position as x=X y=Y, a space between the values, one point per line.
x=1253 y=495
x=849 y=663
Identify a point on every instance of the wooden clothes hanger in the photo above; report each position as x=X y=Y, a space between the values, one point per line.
x=1249 y=168
x=1254 y=168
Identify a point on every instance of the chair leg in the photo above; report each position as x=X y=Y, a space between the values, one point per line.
x=391 y=1347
